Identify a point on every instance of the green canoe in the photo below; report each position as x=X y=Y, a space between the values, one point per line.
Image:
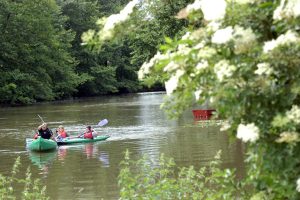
x=66 y=141
x=41 y=144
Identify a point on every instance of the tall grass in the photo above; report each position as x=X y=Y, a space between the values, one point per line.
x=32 y=187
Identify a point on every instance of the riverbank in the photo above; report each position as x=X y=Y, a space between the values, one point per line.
x=77 y=98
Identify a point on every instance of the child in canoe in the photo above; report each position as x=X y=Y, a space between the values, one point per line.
x=61 y=133
x=89 y=133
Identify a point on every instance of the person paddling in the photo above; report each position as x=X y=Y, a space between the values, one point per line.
x=44 y=131
x=89 y=133
x=61 y=133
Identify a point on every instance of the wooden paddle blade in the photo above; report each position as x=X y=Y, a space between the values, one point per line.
x=102 y=122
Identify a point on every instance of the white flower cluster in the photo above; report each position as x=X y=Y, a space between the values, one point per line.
x=145 y=69
x=222 y=36
x=172 y=83
x=287 y=9
x=284 y=39
x=200 y=45
x=212 y=10
x=288 y=137
x=263 y=68
x=186 y=36
x=224 y=69
x=298 y=185
x=213 y=26
x=203 y=64
x=225 y=126
x=194 y=6
x=248 y=132
x=195 y=35
x=87 y=36
x=206 y=52
x=197 y=94
x=183 y=49
x=243 y=39
x=122 y=16
x=171 y=66
x=294 y=114
x=109 y=23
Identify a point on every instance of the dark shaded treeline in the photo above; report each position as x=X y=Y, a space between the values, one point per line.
x=42 y=59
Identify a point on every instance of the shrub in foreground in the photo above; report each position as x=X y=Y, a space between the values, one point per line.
x=32 y=188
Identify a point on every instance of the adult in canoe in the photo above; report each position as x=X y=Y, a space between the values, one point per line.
x=44 y=131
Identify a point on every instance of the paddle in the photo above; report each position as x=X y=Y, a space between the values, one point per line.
x=41 y=118
x=102 y=122
x=42 y=121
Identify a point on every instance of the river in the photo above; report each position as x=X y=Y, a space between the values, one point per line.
x=90 y=171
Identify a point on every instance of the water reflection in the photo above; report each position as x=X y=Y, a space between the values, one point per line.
x=104 y=158
x=62 y=153
x=43 y=160
x=90 y=150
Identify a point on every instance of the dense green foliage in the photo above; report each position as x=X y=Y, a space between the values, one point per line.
x=32 y=189
x=35 y=63
x=42 y=57
x=136 y=41
x=143 y=39
x=100 y=76
x=144 y=179
x=158 y=21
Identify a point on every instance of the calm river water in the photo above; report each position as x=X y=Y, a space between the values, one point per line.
x=90 y=171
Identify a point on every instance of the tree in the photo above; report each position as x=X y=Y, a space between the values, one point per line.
x=35 y=63
x=108 y=7
x=153 y=22
x=105 y=70
x=137 y=42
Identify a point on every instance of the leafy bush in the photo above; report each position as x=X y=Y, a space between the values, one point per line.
x=32 y=189
x=143 y=180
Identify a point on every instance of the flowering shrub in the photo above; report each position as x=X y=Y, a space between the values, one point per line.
x=244 y=60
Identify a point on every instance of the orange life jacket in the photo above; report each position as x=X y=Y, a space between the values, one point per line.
x=88 y=135
x=63 y=134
